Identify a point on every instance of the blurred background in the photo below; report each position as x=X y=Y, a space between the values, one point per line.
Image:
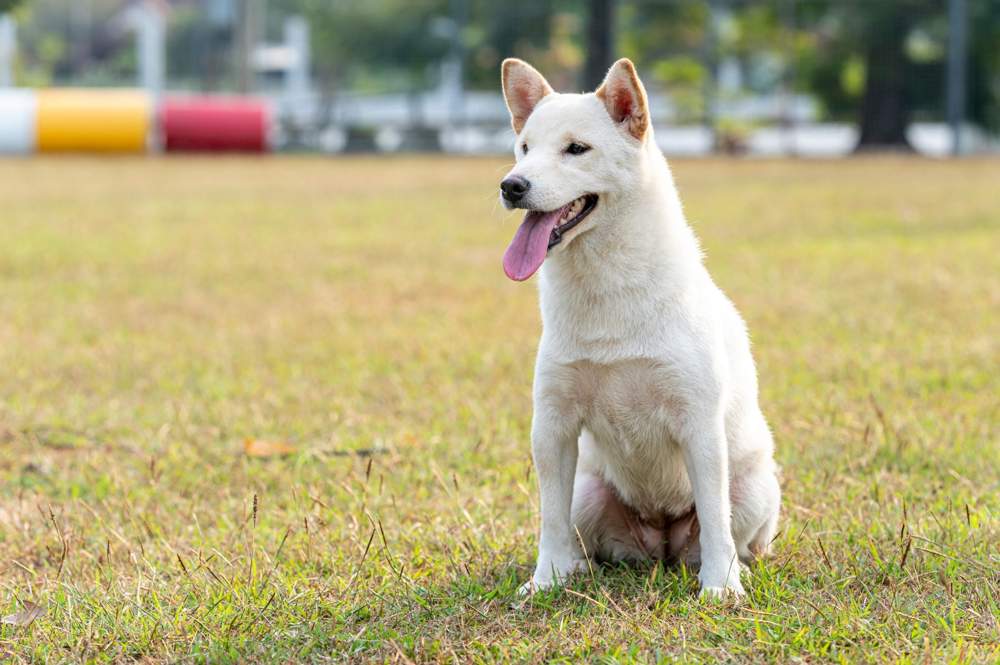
x=763 y=77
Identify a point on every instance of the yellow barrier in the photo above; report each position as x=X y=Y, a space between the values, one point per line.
x=93 y=120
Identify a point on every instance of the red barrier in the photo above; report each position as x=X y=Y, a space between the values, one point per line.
x=214 y=124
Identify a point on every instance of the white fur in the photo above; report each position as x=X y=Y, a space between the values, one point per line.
x=645 y=391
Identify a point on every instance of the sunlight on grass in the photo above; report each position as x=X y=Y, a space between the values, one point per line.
x=155 y=315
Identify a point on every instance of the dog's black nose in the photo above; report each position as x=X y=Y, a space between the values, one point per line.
x=514 y=188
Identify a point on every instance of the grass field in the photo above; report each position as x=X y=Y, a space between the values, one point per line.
x=156 y=315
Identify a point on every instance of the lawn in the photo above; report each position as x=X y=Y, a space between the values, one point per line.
x=277 y=410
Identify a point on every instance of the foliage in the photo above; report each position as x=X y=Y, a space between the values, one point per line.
x=60 y=45
x=684 y=78
x=9 y=5
x=984 y=74
x=830 y=51
x=361 y=44
x=402 y=43
x=820 y=47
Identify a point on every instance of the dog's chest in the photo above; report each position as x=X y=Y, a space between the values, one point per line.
x=632 y=408
x=631 y=400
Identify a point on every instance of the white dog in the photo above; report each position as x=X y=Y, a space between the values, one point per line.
x=647 y=437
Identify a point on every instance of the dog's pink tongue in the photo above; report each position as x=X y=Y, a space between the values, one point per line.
x=531 y=242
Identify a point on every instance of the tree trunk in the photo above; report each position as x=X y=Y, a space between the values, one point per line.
x=600 y=42
x=885 y=109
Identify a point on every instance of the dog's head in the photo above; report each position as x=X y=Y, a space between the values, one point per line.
x=575 y=155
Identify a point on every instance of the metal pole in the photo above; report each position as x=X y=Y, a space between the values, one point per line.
x=600 y=41
x=8 y=46
x=82 y=19
x=246 y=41
x=789 y=120
x=958 y=23
x=460 y=16
x=152 y=49
x=297 y=78
x=710 y=59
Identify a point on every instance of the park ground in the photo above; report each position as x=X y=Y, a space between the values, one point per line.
x=277 y=410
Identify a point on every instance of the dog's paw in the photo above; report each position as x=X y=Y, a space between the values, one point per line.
x=722 y=586
x=715 y=594
x=729 y=588
x=551 y=575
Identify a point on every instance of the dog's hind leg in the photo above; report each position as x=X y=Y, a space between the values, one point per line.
x=756 y=497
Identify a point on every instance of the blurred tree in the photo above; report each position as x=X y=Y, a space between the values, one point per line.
x=199 y=49
x=88 y=43
x=533 y=31
x=984 y=66
x=859 y=58
x=398 y=44
x=880 y=63
x=9 y=5
x=372 y=45
x=667 y=41
x=886 y=108
x=600 y=47
x=897 y=53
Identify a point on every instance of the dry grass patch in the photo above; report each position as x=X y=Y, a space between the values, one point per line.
x=157 y=314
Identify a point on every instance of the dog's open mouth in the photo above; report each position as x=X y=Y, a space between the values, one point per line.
x=572 y=215
x=541 y=231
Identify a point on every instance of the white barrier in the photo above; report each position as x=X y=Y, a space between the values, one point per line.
x=17 y=121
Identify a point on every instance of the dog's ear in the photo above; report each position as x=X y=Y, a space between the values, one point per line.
x=523 y=88
x=625 y=98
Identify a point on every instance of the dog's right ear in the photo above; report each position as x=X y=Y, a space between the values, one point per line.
x=523 y=88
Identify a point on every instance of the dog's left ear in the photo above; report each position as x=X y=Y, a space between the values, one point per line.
x=625 y=98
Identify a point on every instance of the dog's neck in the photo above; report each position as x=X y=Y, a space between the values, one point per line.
x=642 y=238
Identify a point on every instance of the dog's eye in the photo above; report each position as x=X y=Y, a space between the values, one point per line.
x=576 y=148
x=524 y=148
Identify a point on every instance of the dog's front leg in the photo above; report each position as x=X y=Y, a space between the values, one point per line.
x=706 y=457
x=554 y=449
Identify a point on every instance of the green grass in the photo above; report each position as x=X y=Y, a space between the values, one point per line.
x=156 y=313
